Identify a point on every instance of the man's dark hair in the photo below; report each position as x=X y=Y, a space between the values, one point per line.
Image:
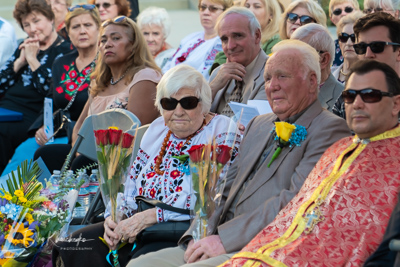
x=365 y=66
x=379 y=19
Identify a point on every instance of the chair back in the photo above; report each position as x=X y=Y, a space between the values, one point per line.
x=140 y=132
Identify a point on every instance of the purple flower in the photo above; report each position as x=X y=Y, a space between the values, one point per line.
x=33 y=225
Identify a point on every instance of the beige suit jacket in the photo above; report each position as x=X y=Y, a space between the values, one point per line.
x=271 y=188
x=255 y=83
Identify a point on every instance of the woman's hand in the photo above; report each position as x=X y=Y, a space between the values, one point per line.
x=110 y=236
x=128 y=229
x=31 y=46
x=40 y=136
x=21 y=61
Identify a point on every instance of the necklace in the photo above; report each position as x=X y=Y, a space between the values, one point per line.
x=164 y=147
x=120 y=78
x=341 y=71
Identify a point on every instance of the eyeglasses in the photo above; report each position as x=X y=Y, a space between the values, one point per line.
x=189 y=102
x=370 y=10
x=368 y=95
x=292 y=18
x=338 y=11
x=118 y=19
x=212 y=9
x=376 y=47
x=85 y=6
x=344 y=37
x=105 y=5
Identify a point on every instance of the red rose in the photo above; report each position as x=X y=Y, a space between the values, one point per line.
x=223 y=154
x=114 y=136
x=127 y=140
x=195 y=153
x=101 y=137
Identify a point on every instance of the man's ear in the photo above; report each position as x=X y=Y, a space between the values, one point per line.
x=258 y=36
x=325 y=60
x=312 y=78
x=396 y=106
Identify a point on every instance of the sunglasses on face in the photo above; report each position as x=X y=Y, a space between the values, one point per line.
x=339 y=11
x=189 y=102
x=86 y=7
x=212 y=9
x=376 y=47
x=367 y=95
x=105 y=5
x=370 y=10
x=118 y=19
x=293 y=17
x=343 y=37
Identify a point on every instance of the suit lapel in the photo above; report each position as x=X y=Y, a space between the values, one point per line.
x=268 y=173
x=257 y=71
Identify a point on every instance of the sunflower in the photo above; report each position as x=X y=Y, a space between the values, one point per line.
x=22 y=236
x=6 y=257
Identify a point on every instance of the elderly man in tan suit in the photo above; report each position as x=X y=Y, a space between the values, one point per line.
x=255 y=192
x=241 y=77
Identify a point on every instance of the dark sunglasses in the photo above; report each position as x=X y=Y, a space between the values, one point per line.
x=212 y=9
x=85 y=6
x=338 y=11
x=376 y=47
x=369 y=10
x=189 y=102
x=105 y=5
x=118 y=19
x=343 y=37
x=367 y=95
x=293 y=17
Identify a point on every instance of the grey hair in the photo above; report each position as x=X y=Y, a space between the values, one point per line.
x=385 y=4
x=349 y=19
x=317 y=36
x=253 y=22
x=155 y=16
x=309 y=56
x=184 y=76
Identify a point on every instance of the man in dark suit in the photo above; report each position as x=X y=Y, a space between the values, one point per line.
x=318 y=37
x=240 y=78
x=254 y=192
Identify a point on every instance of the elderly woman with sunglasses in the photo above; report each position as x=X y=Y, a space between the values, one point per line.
x=337 y=10
x=26 y=77
x=125 y=77
x=184 y=100
x=298 y=13
x=346 y=39
x=200 y=48
x=110 y=9
x=70 y=79
x=155 y=24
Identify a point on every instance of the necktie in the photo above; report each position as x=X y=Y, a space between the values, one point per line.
x=236 y=96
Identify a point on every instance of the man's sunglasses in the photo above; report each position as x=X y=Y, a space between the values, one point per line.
x=293 y=17
x=343 y=37
x=338 y=11
x=212 y=9
x=370 y=10
x=118 y=19
x=105 y=5
x=189 y=102
x=376 y=47
x=367 y=95
x=85 y=6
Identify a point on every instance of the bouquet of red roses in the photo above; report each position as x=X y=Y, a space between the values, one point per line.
x=207 y=162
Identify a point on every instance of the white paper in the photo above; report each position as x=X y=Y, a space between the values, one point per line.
x=262 y=106
x=248 y=112
x=48 y=118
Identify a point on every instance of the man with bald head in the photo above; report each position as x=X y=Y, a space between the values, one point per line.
x=257 y=187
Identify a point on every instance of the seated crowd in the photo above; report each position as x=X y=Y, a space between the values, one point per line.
x=326 y=196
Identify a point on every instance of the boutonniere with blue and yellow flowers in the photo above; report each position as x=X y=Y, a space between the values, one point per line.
x=287 y=135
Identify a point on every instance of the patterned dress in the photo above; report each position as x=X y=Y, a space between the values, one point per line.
x=174 y=186
x=340 y=215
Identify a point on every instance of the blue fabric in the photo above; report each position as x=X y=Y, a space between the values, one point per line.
x=26 y=151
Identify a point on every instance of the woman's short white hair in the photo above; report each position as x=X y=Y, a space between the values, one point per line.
x=385 y=4
x=309 y=56
x=184 y=76
x=317 y=36
x=155 y=16
x=253 y=22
